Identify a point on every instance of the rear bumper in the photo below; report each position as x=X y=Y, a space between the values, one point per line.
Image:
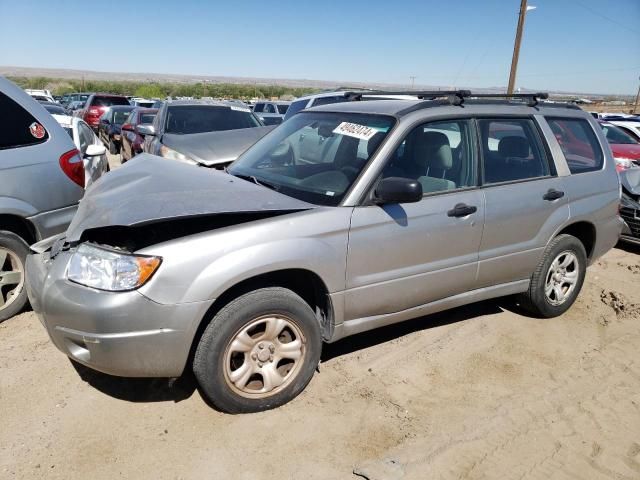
x=53 y=222
x=123 y=333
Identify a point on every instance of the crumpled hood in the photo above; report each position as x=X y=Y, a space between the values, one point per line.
x=150 y=189
x=212 y=148
x=630 y=180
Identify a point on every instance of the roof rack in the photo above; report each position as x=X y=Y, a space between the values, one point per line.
x=532 y=98
x=455 y=97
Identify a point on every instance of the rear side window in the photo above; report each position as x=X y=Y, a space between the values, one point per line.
x=18 y=128
x=578 y=143
x=108 y=101
x=511 y=150
x=259 y=108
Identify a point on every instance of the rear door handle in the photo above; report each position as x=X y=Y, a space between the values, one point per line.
x=553 y=194
x=462 y=210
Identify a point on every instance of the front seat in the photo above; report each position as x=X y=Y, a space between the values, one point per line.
x=432 y=158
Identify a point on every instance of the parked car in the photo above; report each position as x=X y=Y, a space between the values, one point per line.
x=141 y=102
x=251 y=269
x=131 y=140
x=94 y=155
x=625 y=148
x=54 y=108
x=630 y=205
x=271 y=113
x=212 y=134
x=40 y=188
x=75 y=106
x=109 y=128
x=75 y=97
x=40 y=95
x=96 y=105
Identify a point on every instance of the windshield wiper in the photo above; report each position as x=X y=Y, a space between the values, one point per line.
x=262 y=183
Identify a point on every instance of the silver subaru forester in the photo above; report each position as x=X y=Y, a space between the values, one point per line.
x=345 y=218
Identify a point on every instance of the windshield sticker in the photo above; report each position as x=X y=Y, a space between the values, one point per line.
x=356 y=131
x=239 y=109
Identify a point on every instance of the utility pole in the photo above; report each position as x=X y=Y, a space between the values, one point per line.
x=635 y=109
x=516 y=46
x=413 y=80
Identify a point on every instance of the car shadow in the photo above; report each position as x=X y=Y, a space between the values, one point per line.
x=139 y=389
x=380 y=335
x=629 y=247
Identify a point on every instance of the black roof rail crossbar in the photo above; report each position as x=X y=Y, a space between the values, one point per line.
x=531 y=97
x=456 y=97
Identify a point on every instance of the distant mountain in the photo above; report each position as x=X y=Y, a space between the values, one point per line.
x=61 y=73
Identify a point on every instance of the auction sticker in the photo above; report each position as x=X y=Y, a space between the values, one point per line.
x=356 y=131
x=37 y=130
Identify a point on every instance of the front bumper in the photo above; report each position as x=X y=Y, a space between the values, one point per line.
x=119 y=333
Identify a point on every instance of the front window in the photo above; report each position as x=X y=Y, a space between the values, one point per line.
x=190 y=119
x=314 y=157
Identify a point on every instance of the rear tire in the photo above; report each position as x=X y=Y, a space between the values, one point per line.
x=13 y=254
x=558 y=279
x=259 y=352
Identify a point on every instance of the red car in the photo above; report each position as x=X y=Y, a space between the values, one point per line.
x=96 y=105
x=130 y=139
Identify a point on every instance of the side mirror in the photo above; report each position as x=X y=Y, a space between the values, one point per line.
x=146 y=129
x=95 y=151
x=397 y=190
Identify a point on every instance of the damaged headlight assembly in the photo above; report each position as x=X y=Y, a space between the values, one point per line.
x=172 y=154
x=110 y=270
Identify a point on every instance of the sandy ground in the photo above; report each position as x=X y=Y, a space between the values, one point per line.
x=478 y=392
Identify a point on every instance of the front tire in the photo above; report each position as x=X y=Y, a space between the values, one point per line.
x=259 y=352
x=558 y=279
x=13 y=294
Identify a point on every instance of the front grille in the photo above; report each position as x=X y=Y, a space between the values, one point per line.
x=632 y=217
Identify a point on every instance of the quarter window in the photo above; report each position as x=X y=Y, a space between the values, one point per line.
x=439 y=155
x=578 y=143
x=511 y=150
x=16 y=126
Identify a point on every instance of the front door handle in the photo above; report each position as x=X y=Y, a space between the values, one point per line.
x=553 y=194
x=462 y=210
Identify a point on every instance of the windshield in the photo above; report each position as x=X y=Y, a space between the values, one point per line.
x=616 y=135
x=208 y=118
x=314 y=157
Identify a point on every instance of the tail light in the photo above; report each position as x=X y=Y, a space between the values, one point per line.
x=73 y=166
x=94 y=111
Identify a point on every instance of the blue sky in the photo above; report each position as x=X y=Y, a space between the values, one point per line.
x=576 y=45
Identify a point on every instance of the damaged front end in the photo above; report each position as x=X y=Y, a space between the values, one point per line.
x=630 y=205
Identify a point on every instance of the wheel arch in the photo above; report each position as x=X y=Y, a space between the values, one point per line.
x=583 y=231
x=20 y=226
x=305 y=283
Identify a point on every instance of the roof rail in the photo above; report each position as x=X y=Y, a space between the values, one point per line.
x=532 y=98
x=455 y=97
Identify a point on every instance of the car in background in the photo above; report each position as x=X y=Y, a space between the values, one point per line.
x=42 y=182
x=74 y=106
x=630 y=205
x=109 y=128
x=92 y=151
x=271 y=113
x=75 y=97
x=40 y=95
x=625 y=148
x=131 y=140
x=54 y=108
x=629 y=125
x=207 y=133
x=97 y=104
x=141 y=102
x=340 y=96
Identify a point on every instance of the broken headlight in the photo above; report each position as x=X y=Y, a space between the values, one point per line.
x=110 y=270
x=172 y=154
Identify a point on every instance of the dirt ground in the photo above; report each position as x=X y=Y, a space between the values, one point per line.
x=478 y=392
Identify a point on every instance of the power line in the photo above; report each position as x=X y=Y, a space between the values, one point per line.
x=601 y=15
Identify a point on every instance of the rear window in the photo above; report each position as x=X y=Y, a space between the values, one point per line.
x=578 y=143
x=120 y=116
x=108 y=101
x=282 y=109
x=617 y=136
x=55 y=109
x=190 y=119
x=18 y=128
x=147 y=117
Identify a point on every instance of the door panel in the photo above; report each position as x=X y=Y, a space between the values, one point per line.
x=402 y=256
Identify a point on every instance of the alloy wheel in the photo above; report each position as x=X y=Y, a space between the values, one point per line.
x=561 y=278
x=11 y=277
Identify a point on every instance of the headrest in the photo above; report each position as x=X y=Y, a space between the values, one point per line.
x=433 y=150
x=374 y=142
x=514 y=147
